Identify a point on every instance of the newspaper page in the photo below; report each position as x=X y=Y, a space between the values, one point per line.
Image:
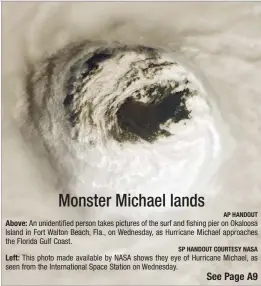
x=131 y=143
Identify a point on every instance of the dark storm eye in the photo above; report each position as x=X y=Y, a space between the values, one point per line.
x=143 y=120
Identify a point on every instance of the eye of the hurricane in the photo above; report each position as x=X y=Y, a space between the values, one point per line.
x=143 y=120
x=128 y=94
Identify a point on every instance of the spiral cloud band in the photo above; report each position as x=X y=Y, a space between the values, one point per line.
x=134 y=111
